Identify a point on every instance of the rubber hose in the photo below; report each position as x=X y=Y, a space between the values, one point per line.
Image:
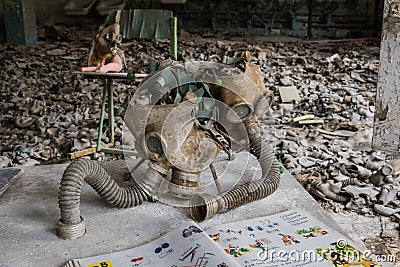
x=204 y=206
x=71 y=224
x=318 y=189
x=334 y=196
x=352 y=181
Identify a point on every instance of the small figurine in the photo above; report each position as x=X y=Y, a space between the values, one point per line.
x=106 y=52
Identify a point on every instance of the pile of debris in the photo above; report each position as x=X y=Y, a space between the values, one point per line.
x=320 y=124
x=47 y=112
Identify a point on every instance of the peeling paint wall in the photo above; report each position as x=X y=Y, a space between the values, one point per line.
x=387 y=116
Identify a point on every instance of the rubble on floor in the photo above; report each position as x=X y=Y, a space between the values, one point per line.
x=320 y=124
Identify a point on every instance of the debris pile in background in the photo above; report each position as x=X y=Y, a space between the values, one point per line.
x=320 y=124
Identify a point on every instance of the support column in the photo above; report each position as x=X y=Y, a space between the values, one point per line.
x=20 y=21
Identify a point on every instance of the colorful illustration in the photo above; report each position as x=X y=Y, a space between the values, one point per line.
x=163 y=250
x=236 y=251
x=365 y=263
x=341 y=254
x=251 y=229
x=267 y=226
x=215 y=237
x=289 y=239
x=138 y=261
x=194 y=232
x=229 y=231
x=190 y=252
x=261 y=244
x=270 y=224
x=105 y=263
x=312 y=232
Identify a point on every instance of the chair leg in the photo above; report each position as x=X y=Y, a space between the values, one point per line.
x=174 y=37
x=110 y=111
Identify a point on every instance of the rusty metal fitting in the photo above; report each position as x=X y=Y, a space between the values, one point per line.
x=71 y=231
x=158 y=168
x=203 y=207
x=184 y=184
x=186 y=179
x=251 y=122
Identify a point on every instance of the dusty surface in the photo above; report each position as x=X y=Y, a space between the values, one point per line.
x=29 y=213
x=47 y=111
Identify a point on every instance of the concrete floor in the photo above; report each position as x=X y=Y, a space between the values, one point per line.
x=29 y=213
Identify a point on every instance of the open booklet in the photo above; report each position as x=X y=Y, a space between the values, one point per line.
x=291 y=238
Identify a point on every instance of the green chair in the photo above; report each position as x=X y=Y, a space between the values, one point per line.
x=134 y=24
x=148 y=23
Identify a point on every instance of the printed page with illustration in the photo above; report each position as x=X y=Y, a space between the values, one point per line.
x=292 y=239
x=185 y=246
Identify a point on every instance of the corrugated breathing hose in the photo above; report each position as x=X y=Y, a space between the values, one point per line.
x=315 y=187
x=204 y=206
x=71 y=224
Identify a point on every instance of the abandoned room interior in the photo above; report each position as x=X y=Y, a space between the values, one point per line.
x=199 y=133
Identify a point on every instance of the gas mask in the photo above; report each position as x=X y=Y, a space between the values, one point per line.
x=195 y=110
x=182 y=118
